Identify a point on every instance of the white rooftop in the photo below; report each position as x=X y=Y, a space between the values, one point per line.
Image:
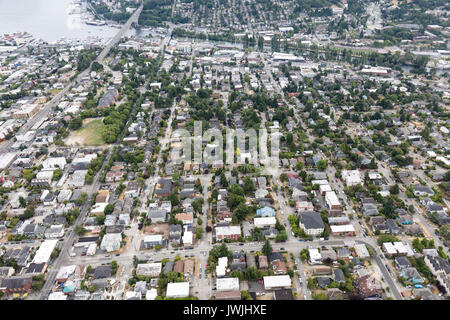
x=264 y=221
x=227 y=284
x=342 y=228
x=177 y=290
x=44 y=252
x=271 y=282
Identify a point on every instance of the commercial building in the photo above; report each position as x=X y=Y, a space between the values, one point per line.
x=111 y=242
x=227 y=284
x=228 y=232
x=346 y=229
x=351 y=177
x=45 y=251
x=177 y=290
x=277 y=282
x=149 y=269
x=361 y=251
x=264 y=222
x=152 y=241
x=332 y=200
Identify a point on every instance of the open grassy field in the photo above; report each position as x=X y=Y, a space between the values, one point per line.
x=88 y=135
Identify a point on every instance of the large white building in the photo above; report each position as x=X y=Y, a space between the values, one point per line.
x=264 y=222
x=314 y=256
x=227 y=284
x=149 y=269
x=54 y=163
x=351 y=177
x=111 y=242
x=341 y=229
x=332 y=200
x=228 y=232
x=277 y=282
x=221 y=266
x=177 y=290
x=45 y=251
x=6 y=159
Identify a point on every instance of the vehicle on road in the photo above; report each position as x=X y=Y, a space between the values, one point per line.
x=117 y=254
x=107 y=255
x=403 y=294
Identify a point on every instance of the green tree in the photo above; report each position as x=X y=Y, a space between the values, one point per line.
x=197 y=204
x=444 y=231
x=199 y=232
x=322 y=165
x=245 y=295
x=28 y=213
x=23 y=202
x=234 y=201
x=267 y=248
x=394 y=189
x=388 y=209
x=249 y=185
x=57 y=174
x=241 y=212
x=173 y=198
x=114 y=267
x=109 y=208
x=79 y=230
x=237 y=190
x=100 y=219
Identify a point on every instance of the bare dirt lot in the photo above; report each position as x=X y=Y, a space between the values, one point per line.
x=157 y=228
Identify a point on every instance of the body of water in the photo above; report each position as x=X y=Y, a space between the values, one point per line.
x=50 y=20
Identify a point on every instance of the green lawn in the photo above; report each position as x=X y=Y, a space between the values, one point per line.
x=88 y=135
